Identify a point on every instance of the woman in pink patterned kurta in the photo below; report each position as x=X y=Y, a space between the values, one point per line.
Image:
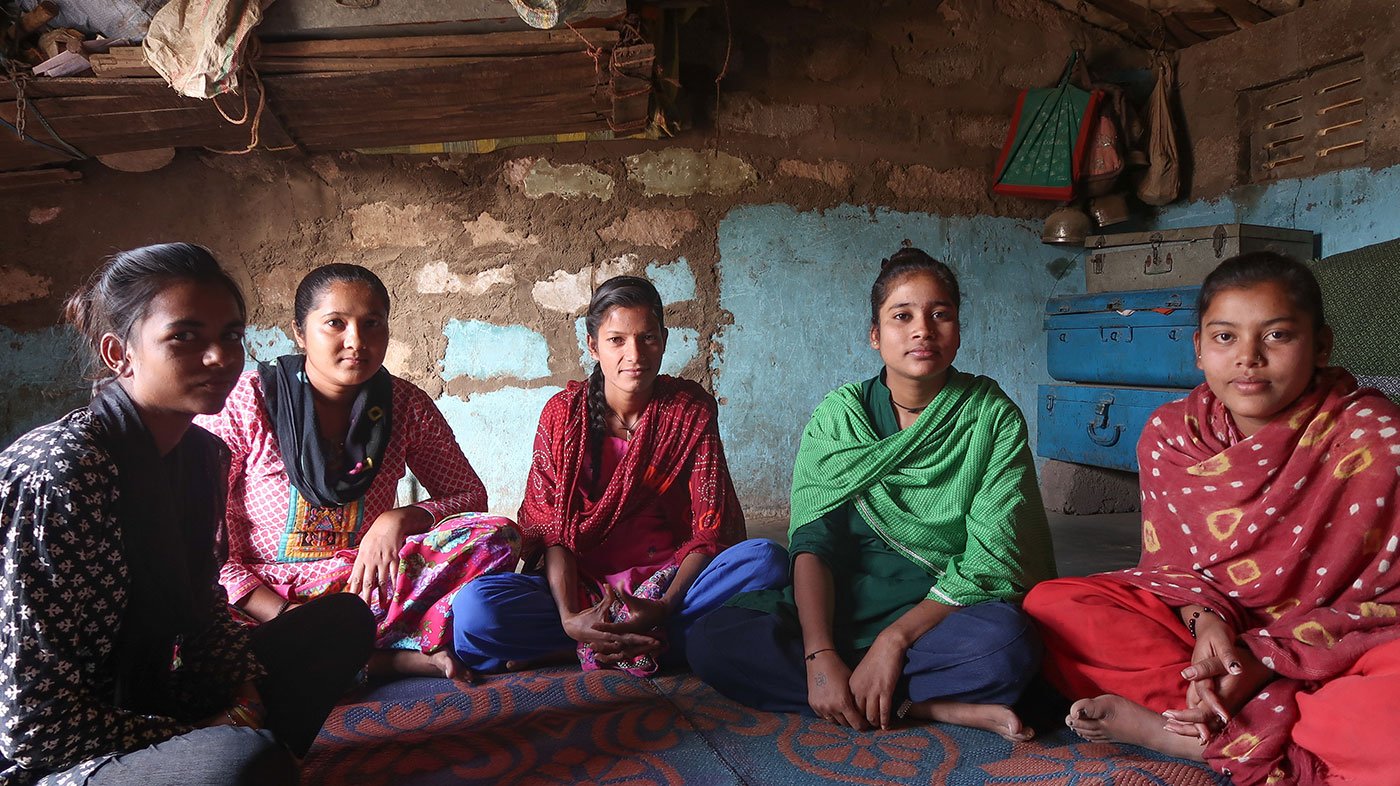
x=330 y=524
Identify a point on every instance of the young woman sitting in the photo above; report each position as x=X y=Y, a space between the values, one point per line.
x=917 y=525
x=1258 y=632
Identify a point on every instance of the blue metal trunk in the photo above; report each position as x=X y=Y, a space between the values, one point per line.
x=1096 y=425
x=1124 y=338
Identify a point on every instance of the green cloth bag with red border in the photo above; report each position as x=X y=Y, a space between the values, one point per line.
x=1046 y=144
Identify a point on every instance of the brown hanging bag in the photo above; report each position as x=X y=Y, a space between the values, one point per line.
x=1161 y=181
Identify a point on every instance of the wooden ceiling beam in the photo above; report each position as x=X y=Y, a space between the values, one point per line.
x=1181 y=32
x=1145 y=22
x=1244 y=12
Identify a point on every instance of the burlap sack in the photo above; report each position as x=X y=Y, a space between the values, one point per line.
x=198 y=45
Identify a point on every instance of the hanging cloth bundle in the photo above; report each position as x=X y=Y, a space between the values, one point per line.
x=1046 y=143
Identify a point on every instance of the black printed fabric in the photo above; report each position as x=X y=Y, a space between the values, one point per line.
x=63 y=597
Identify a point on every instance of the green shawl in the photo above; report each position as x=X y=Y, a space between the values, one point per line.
x=955 y=493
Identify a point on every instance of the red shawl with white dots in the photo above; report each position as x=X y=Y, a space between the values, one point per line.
x=1291 y=533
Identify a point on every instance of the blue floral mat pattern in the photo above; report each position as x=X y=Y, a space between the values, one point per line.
x=563 y=726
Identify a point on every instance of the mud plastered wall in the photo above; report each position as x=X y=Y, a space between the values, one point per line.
x=844 y=129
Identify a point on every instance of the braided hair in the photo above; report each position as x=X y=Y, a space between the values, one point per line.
x=618 y=291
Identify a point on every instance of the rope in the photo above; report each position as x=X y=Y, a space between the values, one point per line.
x=255 y=127
x=724 y=70
x=595 y=52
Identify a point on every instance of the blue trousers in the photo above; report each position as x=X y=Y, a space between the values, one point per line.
x=982 y=654
x=503 y=617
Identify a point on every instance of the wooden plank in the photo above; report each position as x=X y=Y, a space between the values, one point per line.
x=1144 y=21
x=36 y=178
x=85 y=86
x=1244 y=12
x=478 y=82
x=1183 y=34
x=483 y=44
x=542 y=114
x=1209 y=24
x=317 y=65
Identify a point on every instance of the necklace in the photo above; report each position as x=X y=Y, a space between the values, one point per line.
x=623 y=423
x=910 y=410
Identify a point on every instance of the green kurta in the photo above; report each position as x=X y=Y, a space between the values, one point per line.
x=1001 y=544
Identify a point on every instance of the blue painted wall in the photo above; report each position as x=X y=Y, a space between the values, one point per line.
x=482 y=350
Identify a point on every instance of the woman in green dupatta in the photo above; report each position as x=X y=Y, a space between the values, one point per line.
x=917 y=527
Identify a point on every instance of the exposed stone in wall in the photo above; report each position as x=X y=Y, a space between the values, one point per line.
x=748 y=114
x=436 y=278
x=486 y=279
x=677 y=171
x=43 y=215
x=643 y=227
x=567 y=181
x=382 y=224
x=17 y=286
x=398 y=357
x=567 y=293
x=921 y=182
x=986 y=131
x=834 y=58
x=485 y=230
x=833 y=173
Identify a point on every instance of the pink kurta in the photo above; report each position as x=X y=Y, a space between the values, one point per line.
x=278 y=539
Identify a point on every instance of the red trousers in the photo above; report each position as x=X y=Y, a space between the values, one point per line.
x=1102 y=636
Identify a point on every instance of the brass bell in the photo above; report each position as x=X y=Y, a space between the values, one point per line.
x=1068 y=225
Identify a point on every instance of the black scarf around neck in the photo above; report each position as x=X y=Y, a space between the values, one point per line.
x=169 y=510
x=291 y=407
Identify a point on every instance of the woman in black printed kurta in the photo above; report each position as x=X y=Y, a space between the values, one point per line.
x=119 y=662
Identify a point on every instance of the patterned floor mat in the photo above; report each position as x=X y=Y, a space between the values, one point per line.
x=562 y=726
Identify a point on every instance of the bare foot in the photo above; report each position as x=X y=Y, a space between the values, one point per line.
x=411 y=663
x=1110 y=718
x=996 y=718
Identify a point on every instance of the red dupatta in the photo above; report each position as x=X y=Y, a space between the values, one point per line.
x=676 y=440
x=1291 y=533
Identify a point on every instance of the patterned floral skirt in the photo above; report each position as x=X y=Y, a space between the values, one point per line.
x=433 y=566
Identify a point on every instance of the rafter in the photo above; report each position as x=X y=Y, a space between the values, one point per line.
x=1244 y=12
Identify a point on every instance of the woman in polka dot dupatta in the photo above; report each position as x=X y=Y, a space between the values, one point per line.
x=1259 y=631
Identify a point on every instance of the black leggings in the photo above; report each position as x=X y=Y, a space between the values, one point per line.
x=312 y=654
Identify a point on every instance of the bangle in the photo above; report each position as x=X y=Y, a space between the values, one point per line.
x=1196 y=615
x=811 y=656
x=286 y=603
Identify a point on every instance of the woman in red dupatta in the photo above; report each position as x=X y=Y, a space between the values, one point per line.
x=629 y=510
x=1259 y=631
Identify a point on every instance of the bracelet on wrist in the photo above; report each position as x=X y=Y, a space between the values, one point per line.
x=811 y=656
x=1196 y=615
